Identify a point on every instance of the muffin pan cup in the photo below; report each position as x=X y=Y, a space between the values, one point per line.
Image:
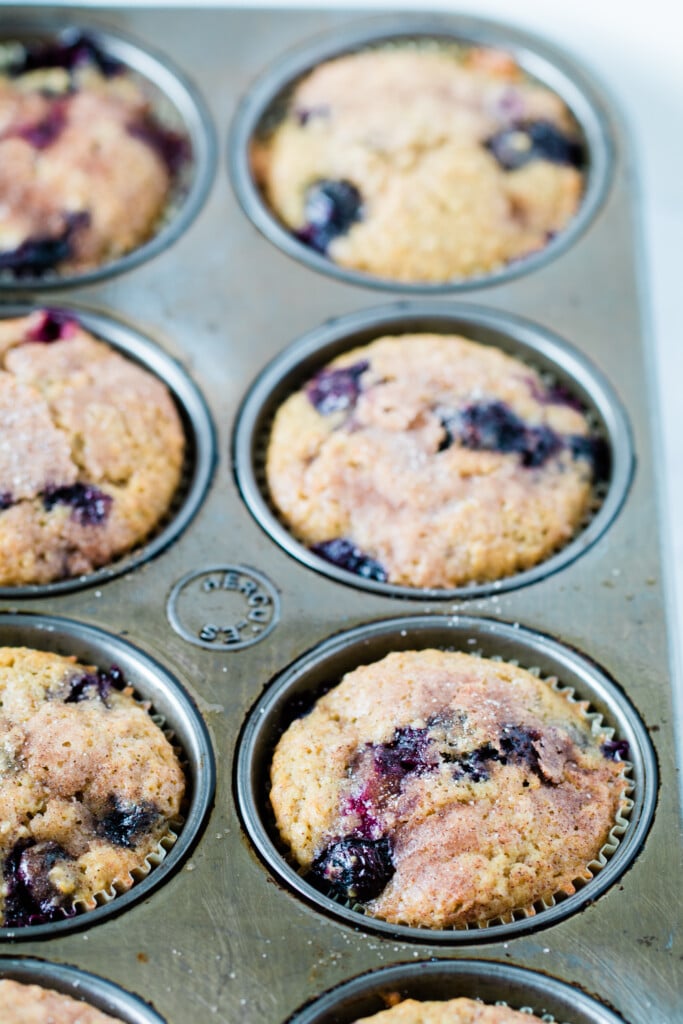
x=170 y=92
x=323 y=667
x=200 y=455
x=181 y=720
x=529 y=342
x=71 y=981
x=225 y=938
x=266 y=99
x=493 y=983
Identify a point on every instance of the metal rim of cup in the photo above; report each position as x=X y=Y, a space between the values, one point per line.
x=517 y=336
x=365 y=644
x=168 y=697
x=537 y=57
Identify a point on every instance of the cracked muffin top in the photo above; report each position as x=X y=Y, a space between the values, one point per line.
x=89 y=786
x=433 y=461
x=443 y=790
x=422 y=162
x=91 y=450
x=33 y=1004
x=450 y=1011
x=86 y=168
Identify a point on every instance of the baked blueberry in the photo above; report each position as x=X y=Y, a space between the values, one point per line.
x=616 y=750
x=5 y=500
x=99 y=684
x=70 y=49
x=31 y=898
x=355 y=868
x=331 y=207
x=123 y=824
x=595 y=450
x=536 y=140
x=54 y=325
x=90 y=505
x=45 y=132
x=409 y=752
x=474 y=765
x=347 y=556
x=493 y=426
x=336 y=390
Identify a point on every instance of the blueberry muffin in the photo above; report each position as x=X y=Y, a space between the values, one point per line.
x=89 y=786
x=451 y=1011
x=91 y=450
x=32 y=1004
x=423 y=162
x=443 y=790
x=86 y=169
x=432 y=461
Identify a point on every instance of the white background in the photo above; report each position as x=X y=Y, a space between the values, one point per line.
x=636 y=49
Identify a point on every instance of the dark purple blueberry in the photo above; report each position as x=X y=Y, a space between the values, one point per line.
x=493 y=426
x=6 y=500
x=474 y=764
x=71 y=49
x=90 y=505
x=330 y=209
x=123 y=824
x=407 y=753
x=170 y=146
x=95 y=684
x=534 y=140
x=55 y=325
x=595 y=450
x=518 y=743
x=37 y=255
x=336 y=390
x=31 y=899
x=47 y=131
x=616 y=750
x=305 y=114
x=354 y=868
x=347 y=556
x=556 y=394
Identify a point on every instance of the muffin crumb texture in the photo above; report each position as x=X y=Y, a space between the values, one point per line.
x=86 y=168
x=89 y=786
x=422 y=162
x=91 y=450
x=443 y=790
x=32 y=1004
x=451 y=1011
x=433 y=461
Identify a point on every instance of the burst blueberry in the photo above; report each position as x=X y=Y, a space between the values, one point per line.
x=330 y=209
x=474 y=765
x=534 y=140
x=69 y=50
x=346 y=555
x=47 y=131
x=616 y=750
x=336 y=390
x=355 y=868
x=493 y=426
x=91 y=684
x=123 y=823
x=30 y=896
x=409 y=752
x=596 y=451
x=90 y=505
x=54 y=325
x=6 y=500
x=39 y=254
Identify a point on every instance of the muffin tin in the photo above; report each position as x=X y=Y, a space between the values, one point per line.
x=230 y=612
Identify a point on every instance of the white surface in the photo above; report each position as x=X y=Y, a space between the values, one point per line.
x=635 y=49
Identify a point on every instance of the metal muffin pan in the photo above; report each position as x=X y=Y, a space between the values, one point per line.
x=325 y=665
x=521 y=338
x=200 y=456
x=223 y=937
x=185 y=110
x=71 y=981
x=267 y=97
x=517 y=988
x=152 y=682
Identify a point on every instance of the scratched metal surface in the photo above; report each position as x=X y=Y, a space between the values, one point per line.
x=221 y=940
